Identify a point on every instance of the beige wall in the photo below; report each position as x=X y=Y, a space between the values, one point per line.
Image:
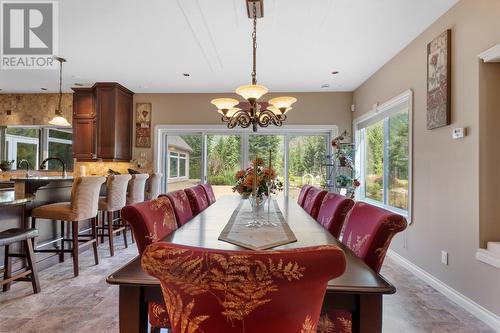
x=446 y=171
x=321 y=108
x=32 y=109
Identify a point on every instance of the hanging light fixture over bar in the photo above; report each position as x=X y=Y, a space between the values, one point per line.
x=252 y=111
x=59 y=119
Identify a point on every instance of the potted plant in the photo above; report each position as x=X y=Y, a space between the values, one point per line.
x=6 y=165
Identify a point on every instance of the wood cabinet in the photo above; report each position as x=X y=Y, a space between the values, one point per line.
x=102 y=122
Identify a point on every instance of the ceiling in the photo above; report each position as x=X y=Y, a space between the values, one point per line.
x=147 y=45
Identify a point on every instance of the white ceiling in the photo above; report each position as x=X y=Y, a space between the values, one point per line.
x=147 y=44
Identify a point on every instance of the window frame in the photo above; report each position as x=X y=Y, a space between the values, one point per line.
x=161 y=133
x=359 y=140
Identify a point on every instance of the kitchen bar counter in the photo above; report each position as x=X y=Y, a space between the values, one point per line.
x=9 y=198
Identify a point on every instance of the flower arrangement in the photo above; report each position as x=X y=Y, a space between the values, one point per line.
x=266 y=180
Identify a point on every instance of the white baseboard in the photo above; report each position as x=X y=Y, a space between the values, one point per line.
x=475 y=309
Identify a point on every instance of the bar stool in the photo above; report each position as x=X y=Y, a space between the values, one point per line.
x=115 y=200
x=83 y=206
x=153 y=186
x=24 y=236
x=136 y=189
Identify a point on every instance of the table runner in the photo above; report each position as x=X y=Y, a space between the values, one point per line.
x=265 y=237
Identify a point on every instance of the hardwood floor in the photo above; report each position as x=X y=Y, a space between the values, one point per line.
x=88 y=304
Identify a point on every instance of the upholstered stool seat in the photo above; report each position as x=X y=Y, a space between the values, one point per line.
x=15 y=235
x=83 y=206
x=24 y=236
x=57 y=211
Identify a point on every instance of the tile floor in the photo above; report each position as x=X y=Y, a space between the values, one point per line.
x=88 y=304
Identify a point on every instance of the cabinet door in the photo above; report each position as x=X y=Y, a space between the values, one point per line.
x=83 y=103
x=123 y=126
x=106 y=110
x=84 y=143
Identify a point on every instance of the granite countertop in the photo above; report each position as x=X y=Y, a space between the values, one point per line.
x=8 y=198
x=36 y=178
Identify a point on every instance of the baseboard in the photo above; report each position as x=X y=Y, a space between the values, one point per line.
x=469 y=305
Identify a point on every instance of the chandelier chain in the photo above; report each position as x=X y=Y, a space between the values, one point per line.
x=60 y=86
x=254 y=45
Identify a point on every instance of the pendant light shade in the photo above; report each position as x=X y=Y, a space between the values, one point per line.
x=282 y=103
x=59 y=121
x=231 y=112
x=252 y=91
x=275 y=110
x=224 y=103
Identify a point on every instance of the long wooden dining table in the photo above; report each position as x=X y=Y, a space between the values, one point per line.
x=359 y=289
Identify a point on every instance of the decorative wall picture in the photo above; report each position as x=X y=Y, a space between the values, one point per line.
x=439 y=81
x=143 y=125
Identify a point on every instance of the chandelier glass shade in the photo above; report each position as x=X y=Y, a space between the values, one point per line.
x=253 y=112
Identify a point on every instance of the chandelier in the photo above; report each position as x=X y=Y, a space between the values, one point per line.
x=253 y=112
x=59 y=119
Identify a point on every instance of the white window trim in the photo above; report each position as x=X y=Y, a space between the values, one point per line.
x=13 y=140
x=161 y=131
x=405 y=97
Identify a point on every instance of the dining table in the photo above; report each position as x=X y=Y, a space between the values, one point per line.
x=359 y=289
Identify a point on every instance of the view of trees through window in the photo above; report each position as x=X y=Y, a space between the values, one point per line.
x=307 y=155
x=393 y=130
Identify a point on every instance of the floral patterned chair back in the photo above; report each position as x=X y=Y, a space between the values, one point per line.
x=302 y=194
x=197 y=199
x=210 y=193
x=369 y=230
x=151 y=221
x=182 y=208
x=313 y=200
x=333 y=212
x=215 y=291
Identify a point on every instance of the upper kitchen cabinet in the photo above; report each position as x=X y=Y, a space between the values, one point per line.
x=110 y=106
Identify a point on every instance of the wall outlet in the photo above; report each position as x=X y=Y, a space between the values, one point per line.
x=444 y=258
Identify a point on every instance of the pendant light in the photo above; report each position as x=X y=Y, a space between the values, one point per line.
x=59 y=119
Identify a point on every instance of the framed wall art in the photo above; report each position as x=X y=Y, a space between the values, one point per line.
x=439 y=81
x=143 y=125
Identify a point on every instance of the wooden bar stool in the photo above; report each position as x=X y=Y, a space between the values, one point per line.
x=24 y=236
x=83 y=206
x=136 y=189
x=110 y=206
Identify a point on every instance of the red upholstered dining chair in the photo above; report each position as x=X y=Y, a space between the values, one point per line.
x=332 y=212
x=182 y=208
x=197 y=199
x=152 y=221
x=215 y=291
x=210 y=193
x=302 y=194
x=313 y=200
x=368 y=233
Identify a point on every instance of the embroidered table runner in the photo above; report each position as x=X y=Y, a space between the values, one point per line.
x=273 y=232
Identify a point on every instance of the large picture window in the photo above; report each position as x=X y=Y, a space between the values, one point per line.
x=383 y=159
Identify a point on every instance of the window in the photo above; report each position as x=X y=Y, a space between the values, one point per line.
x=37 y=143
x=213 y=154
x=60 y=145
x=383 y=158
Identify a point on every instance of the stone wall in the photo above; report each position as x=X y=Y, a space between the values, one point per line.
x=32 y=109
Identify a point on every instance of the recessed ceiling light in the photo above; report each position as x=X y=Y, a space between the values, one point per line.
x=324 y=86
x=186 y=74
x=335 y=72
x=44 y=89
